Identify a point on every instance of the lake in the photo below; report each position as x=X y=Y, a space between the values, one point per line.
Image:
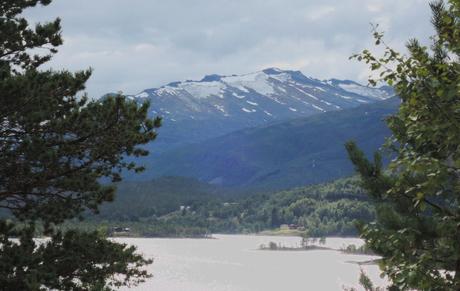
x=234 y=263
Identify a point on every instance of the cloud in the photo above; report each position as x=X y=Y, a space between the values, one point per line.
x=138 y=44
x=319 y=13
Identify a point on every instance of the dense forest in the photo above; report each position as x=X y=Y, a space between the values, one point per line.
x=183 y=207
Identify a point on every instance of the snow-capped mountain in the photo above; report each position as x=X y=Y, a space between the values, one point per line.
x=257 y=98
x=194 y=111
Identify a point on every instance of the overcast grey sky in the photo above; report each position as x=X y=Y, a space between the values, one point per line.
x=137 y=44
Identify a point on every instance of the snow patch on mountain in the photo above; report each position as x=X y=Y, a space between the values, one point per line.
x=311 y=96
x=238 y=96
x=256 y=81
x=365 y=91
x=318 y=108
x=320 y=89
x=166 y=90
x=277 y=95
x=220 y=108
x=282 y=77
x=203 y=90
x=142 y=95
x=248 y=110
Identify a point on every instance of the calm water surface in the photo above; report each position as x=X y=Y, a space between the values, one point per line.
x=234 y=263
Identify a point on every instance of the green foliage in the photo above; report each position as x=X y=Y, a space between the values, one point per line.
x=353 y=249
x=17 y=36
x=366 y=282
x=67 y=261
x=326 y=209
x=158 y=197
x=56 y=146
x=155 y=209
x=367 y=285
x=417 y=230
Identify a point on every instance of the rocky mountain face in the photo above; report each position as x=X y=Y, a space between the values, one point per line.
x=216 y=105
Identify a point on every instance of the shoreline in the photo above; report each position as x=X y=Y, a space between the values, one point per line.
x=261 y=234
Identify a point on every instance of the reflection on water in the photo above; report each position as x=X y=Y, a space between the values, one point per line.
x=234 y=263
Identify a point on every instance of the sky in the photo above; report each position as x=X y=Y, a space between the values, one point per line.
x=132 y=45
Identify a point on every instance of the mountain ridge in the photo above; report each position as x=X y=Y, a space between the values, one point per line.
x=194 y=111
x=257 y=92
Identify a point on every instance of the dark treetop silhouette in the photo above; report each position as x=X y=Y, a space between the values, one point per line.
x=418 y=214
x=55 y=147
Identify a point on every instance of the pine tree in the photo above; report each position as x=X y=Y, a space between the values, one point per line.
x=417 y=231
x=56 y=145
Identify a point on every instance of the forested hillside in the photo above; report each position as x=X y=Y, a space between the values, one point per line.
x=136 y=200
x=183 y=207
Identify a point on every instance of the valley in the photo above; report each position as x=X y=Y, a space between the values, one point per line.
x=208 y=135
x=218 y=168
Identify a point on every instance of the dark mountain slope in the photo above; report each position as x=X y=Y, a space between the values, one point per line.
x=293 y=153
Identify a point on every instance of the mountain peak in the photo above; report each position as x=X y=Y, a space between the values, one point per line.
x=174 y=84
x=256 y=98
x=211 y=78
x=273 y=71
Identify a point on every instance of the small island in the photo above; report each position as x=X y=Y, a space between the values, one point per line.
x=309 y=244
